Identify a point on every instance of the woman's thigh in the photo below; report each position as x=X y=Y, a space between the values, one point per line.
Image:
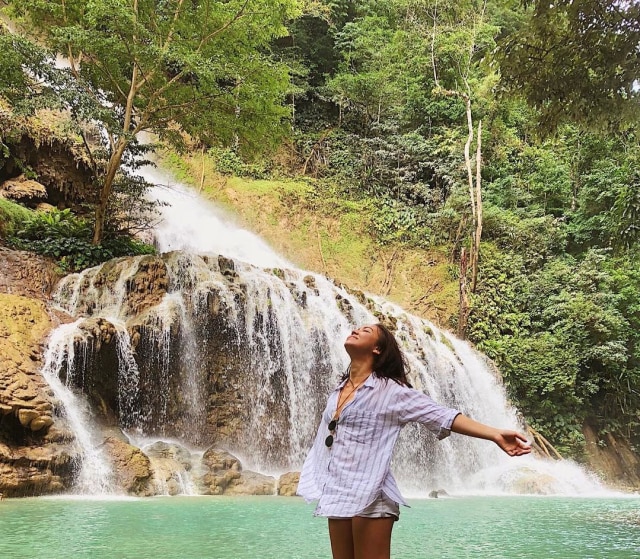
x=341 y=536
x=372 y=537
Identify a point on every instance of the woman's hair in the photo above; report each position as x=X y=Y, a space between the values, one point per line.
x=390 y=363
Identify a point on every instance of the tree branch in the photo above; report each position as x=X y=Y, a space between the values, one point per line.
x=203 y=42
x=110 y=76
x=128 y=114
x=433 y=43
x=235 y=18
x=172 y=28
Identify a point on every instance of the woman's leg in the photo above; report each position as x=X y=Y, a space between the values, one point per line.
x=372 y=537
x=341 y=536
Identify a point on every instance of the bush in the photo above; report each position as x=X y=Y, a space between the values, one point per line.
x=565 y=337
x=11 y=216
x=67 y=238
x=228 y=162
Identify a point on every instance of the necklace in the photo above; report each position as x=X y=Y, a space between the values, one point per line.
x=343 y=399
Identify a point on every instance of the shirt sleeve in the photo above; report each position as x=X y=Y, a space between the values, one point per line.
x=413 y=405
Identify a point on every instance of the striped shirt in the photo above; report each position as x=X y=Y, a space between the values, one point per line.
x=355 y=470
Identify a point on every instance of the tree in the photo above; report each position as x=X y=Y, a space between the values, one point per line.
x=165 y=67
x=608 y=212
x=565 y=339
x=470 y=34
x=576 y=60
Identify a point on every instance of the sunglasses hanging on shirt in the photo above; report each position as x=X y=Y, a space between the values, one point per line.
x=343 y=399
x=332 y=429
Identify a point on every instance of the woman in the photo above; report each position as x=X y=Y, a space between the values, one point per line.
x=347 y=469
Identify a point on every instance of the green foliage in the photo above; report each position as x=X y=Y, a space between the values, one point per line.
x=54 y=223
x=533 y=235
x=20 y=88
x=565 y=339
x=67 y=238
x=164 y=67
x=609 y=204
x=577 y=60
x=228 y=162
x=197 y=62
x=12 y=215
x=393 y=222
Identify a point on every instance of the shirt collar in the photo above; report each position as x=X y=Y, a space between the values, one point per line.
x=369 y=383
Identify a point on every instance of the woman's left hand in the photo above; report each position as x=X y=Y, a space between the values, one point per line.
x=512 y=442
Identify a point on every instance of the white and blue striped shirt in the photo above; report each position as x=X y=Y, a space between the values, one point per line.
x=350 y=475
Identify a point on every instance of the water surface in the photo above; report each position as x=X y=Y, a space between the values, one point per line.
x=278 y=527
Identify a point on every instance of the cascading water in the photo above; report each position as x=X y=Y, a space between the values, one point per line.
x=191 y=224
x=233 y=314
x=94 y=471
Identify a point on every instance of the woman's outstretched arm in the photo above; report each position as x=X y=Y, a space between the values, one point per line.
x=512 y=442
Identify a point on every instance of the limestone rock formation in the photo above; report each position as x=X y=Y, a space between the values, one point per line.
x=252 y=483
x=145 y=288
x=288 y=484
x=61 y=164
x=132 y=468
x=171 y=465
x=33 y=458
x=25 y=399
x=224 y=476
x=96 y=375
x=159 y=335
x=614 y=460
x=531 y=482
x=143 y=281
x=32 y=471
x=23 y=190
x=221 y=469
x=25 y=273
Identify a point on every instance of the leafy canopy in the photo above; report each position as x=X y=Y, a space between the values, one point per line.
x=160 y=66
x=577 y=60
x=201 y=64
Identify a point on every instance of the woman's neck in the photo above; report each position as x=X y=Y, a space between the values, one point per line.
x=359 y=371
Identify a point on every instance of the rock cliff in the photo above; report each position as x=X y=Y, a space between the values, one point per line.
x=36 y=456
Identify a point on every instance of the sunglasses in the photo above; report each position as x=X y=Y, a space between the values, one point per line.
x=332 y=429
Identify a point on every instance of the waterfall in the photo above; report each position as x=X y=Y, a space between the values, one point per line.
x=189 y=223
x=232 y=313
x=94 y=472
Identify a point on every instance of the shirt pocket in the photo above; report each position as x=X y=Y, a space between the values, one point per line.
x=360 y=427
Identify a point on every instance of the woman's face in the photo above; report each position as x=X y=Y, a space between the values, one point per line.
x=363 y=340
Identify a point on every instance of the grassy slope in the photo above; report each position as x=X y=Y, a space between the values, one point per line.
x=325 y=234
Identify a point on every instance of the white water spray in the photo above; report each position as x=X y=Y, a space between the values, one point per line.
x=192 y=224
x=94 y=476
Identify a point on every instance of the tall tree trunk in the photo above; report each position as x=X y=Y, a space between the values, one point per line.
x=105 y=191
x=463 y=310
x=467 y=156
x=475 y=257
x=236 y=111
x=118 y=151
